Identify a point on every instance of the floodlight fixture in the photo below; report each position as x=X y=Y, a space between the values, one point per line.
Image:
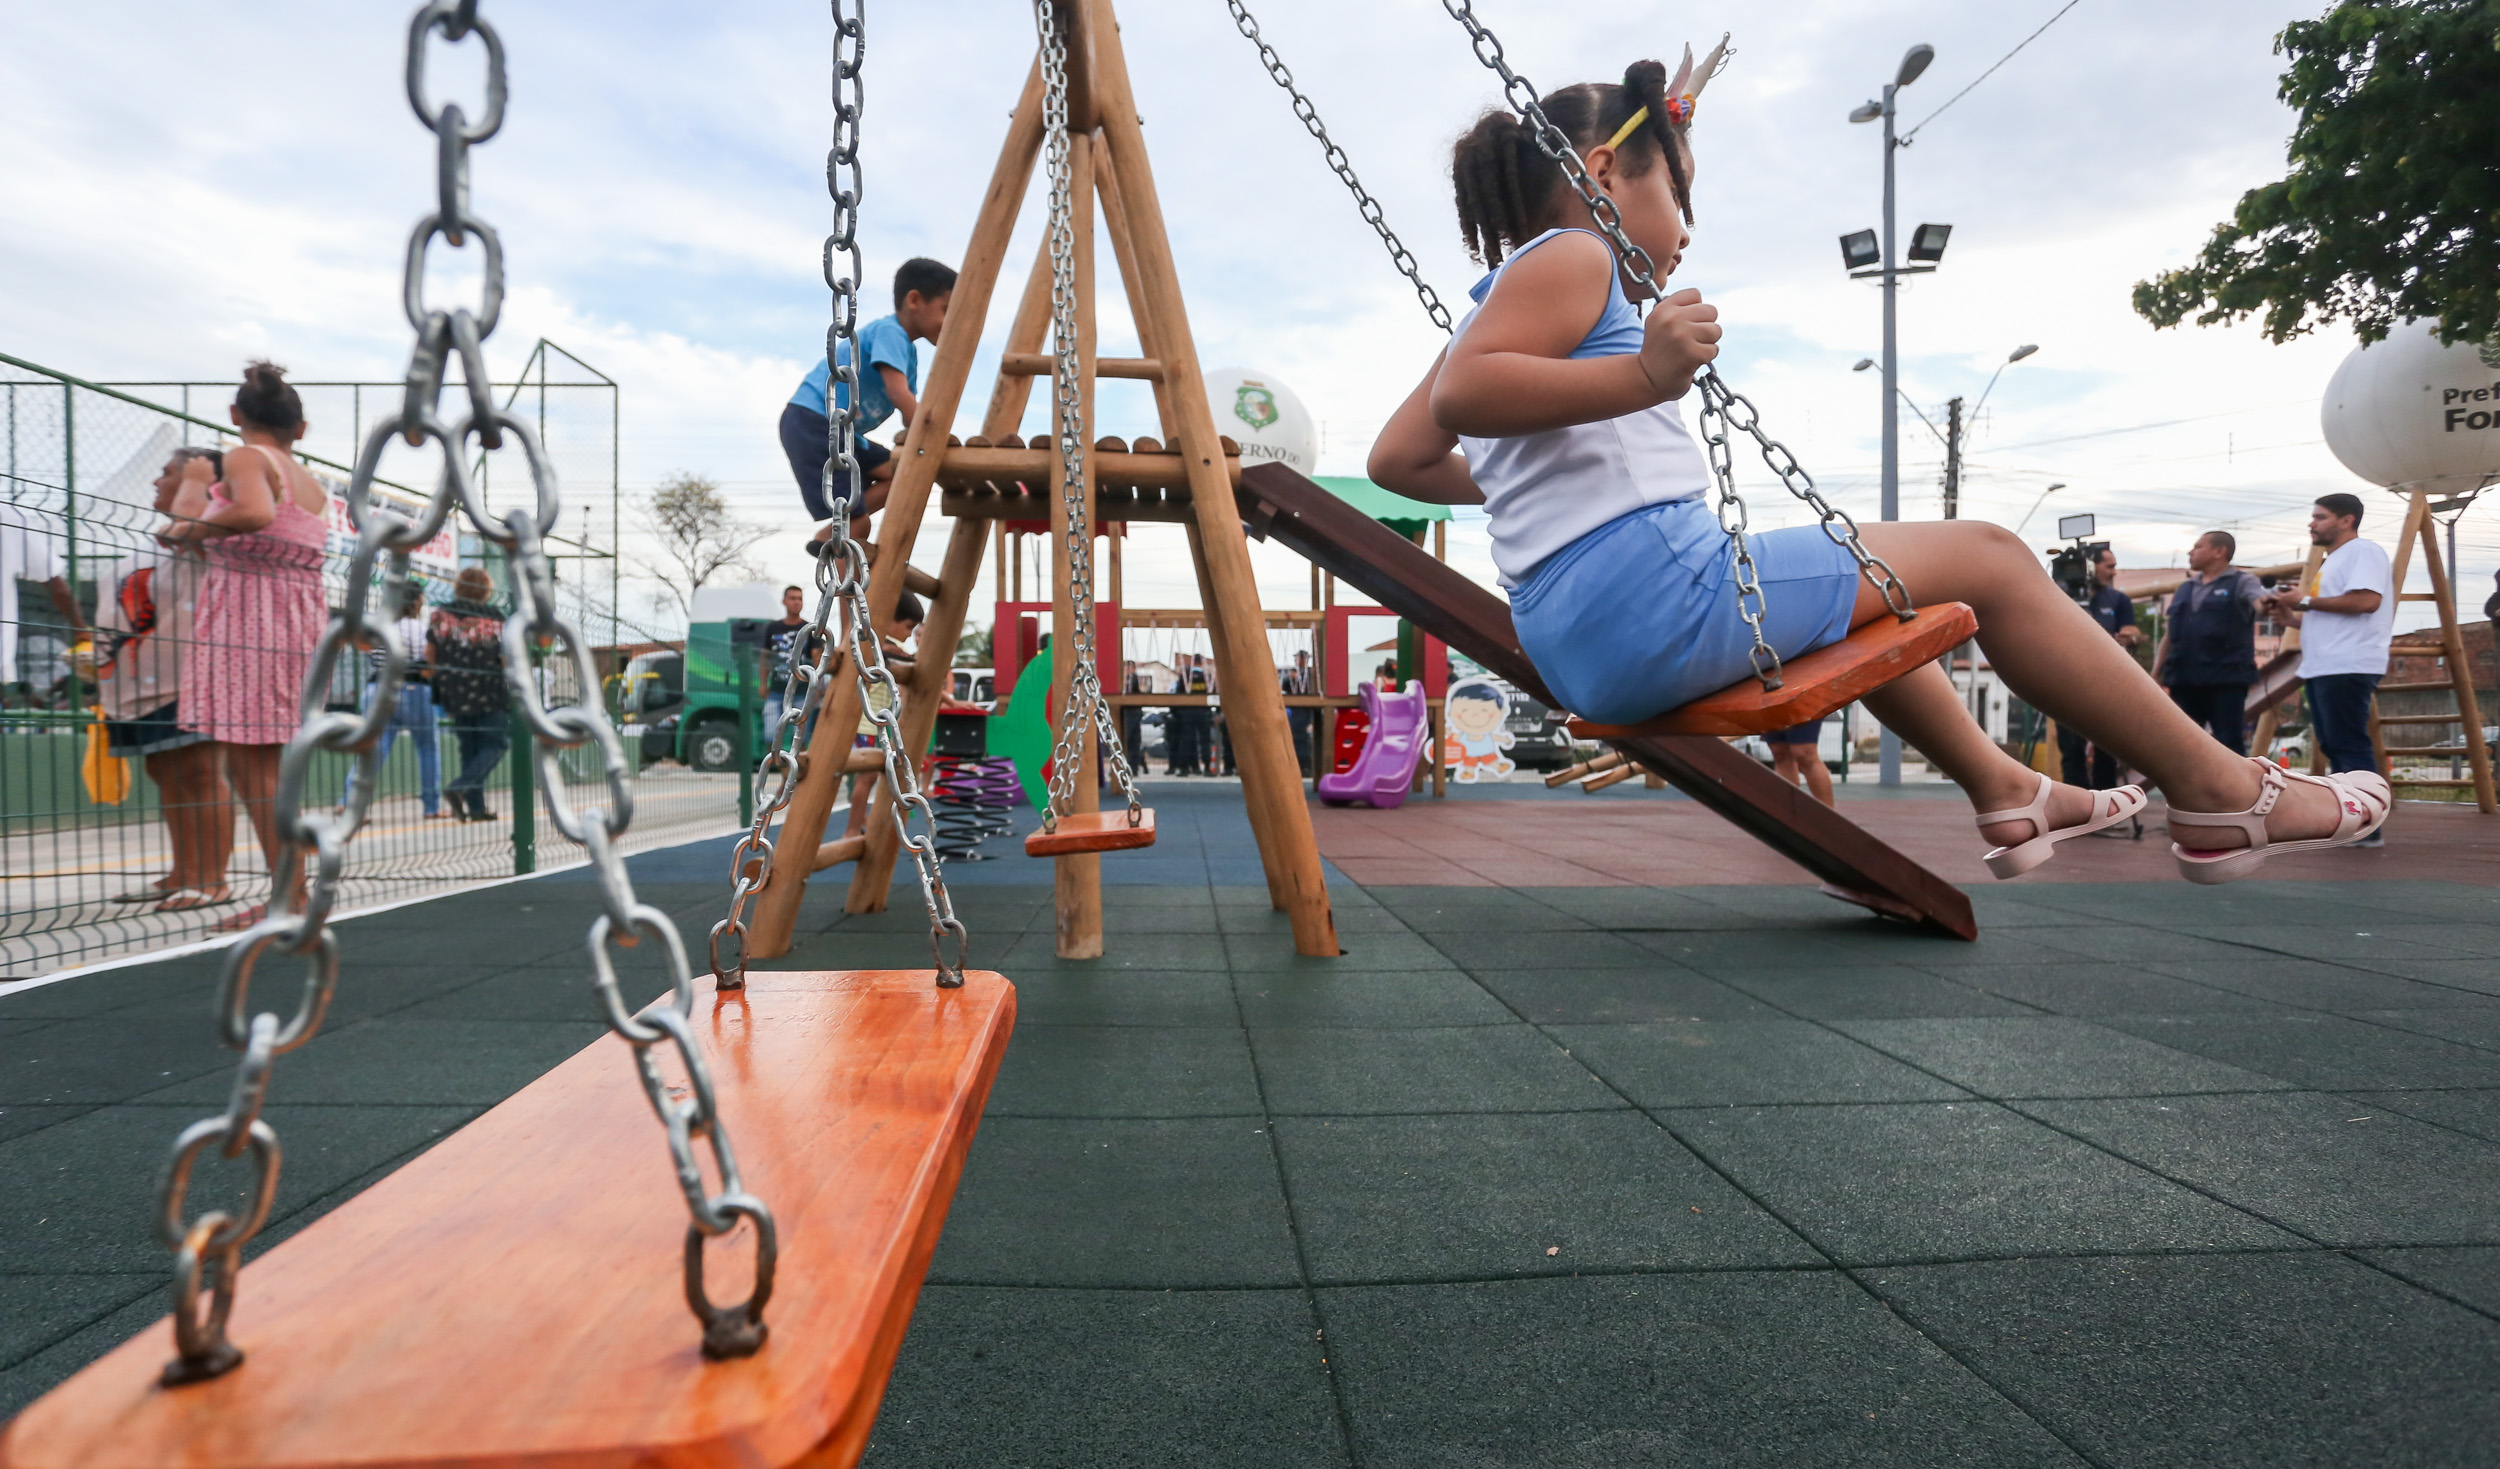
x=1914 y=62
x=1860 y=250
x=1863 y=364
x=1927 y=242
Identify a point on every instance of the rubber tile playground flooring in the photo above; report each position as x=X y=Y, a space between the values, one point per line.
x=1547 y=1169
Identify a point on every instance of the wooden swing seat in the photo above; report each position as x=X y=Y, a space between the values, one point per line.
x=1815 y=685
x=1093 y=831
x=514 y=1296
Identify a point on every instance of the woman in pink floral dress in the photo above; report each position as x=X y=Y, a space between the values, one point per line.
x=261 y=603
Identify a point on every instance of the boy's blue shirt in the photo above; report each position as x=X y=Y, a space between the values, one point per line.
x=884 y=343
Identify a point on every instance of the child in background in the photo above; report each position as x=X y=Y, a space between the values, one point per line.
x=888 y=385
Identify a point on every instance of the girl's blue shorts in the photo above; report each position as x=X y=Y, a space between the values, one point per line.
x=1639 y=615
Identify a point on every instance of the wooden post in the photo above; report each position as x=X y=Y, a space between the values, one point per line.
x=2419 y=526
x=803 y=827
x=1254 y=705
x=2262 y=740
x=1077 y=878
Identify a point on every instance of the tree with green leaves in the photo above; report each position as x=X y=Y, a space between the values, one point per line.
x=2391 y=211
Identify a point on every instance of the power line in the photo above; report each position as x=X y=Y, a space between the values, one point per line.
x=2137 y=428
x=1991 y=71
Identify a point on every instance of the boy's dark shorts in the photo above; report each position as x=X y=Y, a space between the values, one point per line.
x=803 y=431
x=152 y=733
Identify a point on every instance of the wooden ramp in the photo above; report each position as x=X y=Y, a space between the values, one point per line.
x=1278 y=504
x=514 y=1296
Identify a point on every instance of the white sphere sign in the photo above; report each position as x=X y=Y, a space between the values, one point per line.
x=1257 y=411
x=2410 y=412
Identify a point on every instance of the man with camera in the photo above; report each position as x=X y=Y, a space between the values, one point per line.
x=2208 y=652
x=2344 y=627
x=2115 y=612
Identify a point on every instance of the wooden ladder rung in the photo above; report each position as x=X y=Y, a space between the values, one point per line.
x=2440 y=685
x=2421 y=718
x=1043 y=364
x=838 y=851
x=2424 y=752
x=921 y=583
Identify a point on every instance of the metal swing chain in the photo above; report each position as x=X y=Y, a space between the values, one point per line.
x=208 y=1250
x=1723 y=411
x=1085 y=701
x=841 y=580
x=1342 y=166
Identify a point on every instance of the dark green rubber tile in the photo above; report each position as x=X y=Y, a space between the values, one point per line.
x=1734 y=1063
x=2049 y=1056
x=1160 y=895
x=1125 y=1071
x=1478 y=911
x=1125 y=997
x=1997 y=909
x=1574 y=951
x=173 y=988
x=1038 y=950
x=81 y=1196
x=2472 y=940
x=1792 y=906
x=2462 y=976
x=2474 y=1112
x=1477 y=1068
x=2479 y=1027
x=110 y=1059
x=2310 y=985
x=1478 y=1197
x=2214 y=1362
x=2327 y=1052
x=2470 y=1274
x=1220 y=1379
x=394 y=1062
x=1619 y=996
x=2339 y=943
x=554 y=992
x=1870 y=993
x=845 y=950
x=1759 y=951
x=1376 y=951
x=38 y=1310
x=1121 y=924
x=2113 y=989
x=1297 y=999
x=1954 y=1180
x=55 y=1364
x=2339 y=1172
x=16 y=1121
x=1635 y=908
x=1731 y=1370
x=1265 y=920
x=1119 y=1202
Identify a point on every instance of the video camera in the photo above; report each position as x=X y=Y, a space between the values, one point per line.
x=2070 y=565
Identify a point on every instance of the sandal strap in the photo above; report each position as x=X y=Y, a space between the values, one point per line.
x=2037 y=813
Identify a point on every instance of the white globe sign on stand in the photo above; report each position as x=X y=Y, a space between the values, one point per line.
x=1257 y=411
x=2408 y=413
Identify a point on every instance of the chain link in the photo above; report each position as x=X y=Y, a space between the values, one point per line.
x=1085 y=703
x=1720 y=408
x=841 y=585
x=1342 y=166
x=208 y=1250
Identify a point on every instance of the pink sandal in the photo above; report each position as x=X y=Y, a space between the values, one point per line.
x=2108 y=809
x=2363 y=795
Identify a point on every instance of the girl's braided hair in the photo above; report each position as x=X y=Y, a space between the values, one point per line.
x=1505 y=182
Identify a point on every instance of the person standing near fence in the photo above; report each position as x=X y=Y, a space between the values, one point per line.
x=263 y=530
x=2208 y=652
x=464 y=642
x=2345 y=627
x=790 y=641
x=142 y=629
x=414 y=714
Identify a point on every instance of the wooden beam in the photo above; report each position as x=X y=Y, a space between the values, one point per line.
x=1253 y=704
x=803 y=824
x=1042 y=364
x=966 y=466
x=1076 y=877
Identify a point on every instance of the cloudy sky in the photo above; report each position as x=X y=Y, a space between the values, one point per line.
x=185 y=191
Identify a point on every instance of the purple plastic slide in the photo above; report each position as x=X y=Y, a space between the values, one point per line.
x=1385 y=769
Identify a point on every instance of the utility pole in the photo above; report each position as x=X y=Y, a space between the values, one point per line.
x=1953 y=459
x=1888 y=745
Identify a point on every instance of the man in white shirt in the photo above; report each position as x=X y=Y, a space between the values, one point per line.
x=2344 y=629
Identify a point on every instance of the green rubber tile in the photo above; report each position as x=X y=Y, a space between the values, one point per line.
x=1619 y=996
x=843 y=949
x=172 y=987
x=2340 y=943
x=2473 y=1112
x=2471 y=976
x=1125 y=1071
x=1157 y=896
x=110 y=1059
x=2049 y=1056
x=1571 y=951
x=2478 y=1027
x=1350 y=921
x=395 y=1062
x=1291 y=998
x=38 y=1310
x=1219 y=1379
x=2469 y=1274
x=1125 y=997
x=1995 y=909
x=55 y=1364
x=1120 y=923
x=1379 y=951
x=2314 y=985
x=1635 y=908
x=1477 y=911
x=1871 y=993
x=2116 y=989
x=555 y=992
x=1380 y=1199
x=1752 y=951
x=1787 y=905
x=2472 y=940
x=2220 y=1361
x=1781 y=1369
x=1478 y=1068
x=1038 y=949
x=2339 y=1171
x=16 y=1121
x=1735 y=1063
x=1119 y=1202
x=1954 y=1180
x=81 y=1196
x=2328 y=1052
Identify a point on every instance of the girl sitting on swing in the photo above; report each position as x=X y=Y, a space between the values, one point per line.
x=1561 y=401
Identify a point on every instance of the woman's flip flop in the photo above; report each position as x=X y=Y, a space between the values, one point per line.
x=2362 y=795
x=2108 y=809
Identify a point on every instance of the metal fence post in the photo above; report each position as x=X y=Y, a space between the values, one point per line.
x=747 y=753
x=524 y=796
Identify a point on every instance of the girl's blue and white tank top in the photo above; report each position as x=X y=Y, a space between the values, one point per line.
x=1546 y=490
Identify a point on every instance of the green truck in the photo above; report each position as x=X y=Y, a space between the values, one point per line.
x=686 y=706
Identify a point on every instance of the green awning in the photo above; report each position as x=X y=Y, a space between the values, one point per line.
x=1406 y=517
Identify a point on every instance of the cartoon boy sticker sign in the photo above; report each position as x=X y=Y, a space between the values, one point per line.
x=1478 y=708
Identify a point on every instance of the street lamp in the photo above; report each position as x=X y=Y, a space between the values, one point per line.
x=2017 y=355
x=1913 y=62
x=2035 y=506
